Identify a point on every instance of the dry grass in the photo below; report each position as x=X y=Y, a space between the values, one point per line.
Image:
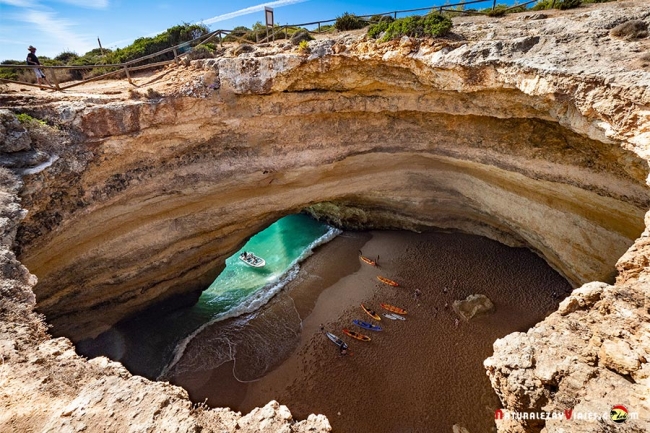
x=634 y=29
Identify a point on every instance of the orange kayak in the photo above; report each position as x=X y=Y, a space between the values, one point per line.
x=356 y=335
x=371 y=313
x=369 y=261
x=393 y=309
x=387 y=281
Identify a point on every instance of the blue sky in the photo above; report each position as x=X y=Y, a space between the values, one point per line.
x=56 y=26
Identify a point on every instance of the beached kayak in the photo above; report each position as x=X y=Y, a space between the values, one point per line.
x=366 y=325
x=394 y=316
x=387 y=281
x=336 y=340
x=368 y=261
x=356 y=335
x=393 y=309
x=371 y=313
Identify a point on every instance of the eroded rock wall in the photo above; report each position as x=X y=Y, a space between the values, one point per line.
x=155 y=195
x=533 y=133
x=45 y=386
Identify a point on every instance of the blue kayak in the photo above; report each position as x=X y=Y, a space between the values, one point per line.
x=366 y=325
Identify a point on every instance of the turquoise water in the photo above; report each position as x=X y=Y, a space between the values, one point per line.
x=153 y=341
x=241 y=288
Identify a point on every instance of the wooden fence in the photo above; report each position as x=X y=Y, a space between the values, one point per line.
x=181 y=49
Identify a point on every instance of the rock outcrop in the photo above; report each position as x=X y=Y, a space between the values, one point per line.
x=587 y=357
x=500 y=137
x=533 y=132
x=472 y=306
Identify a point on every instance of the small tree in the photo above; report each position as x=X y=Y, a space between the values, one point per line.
x=349 y=22
x=432 y=24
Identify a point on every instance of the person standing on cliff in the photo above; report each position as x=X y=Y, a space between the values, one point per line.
x=33 y=60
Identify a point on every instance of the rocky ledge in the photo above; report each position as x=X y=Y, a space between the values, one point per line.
x=532 y=130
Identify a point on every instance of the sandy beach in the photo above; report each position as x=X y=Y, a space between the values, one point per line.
x=420 y=375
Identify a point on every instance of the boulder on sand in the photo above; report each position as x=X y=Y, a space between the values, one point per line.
x=473 y=305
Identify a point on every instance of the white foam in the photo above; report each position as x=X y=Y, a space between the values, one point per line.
x=255 y=301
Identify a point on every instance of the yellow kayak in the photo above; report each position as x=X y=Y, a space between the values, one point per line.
x=387 y=281
x=371 y=313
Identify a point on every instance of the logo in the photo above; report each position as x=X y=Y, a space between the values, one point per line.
x=618 y=414
x=498 y=414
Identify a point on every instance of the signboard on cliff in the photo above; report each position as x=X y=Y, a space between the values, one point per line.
x=268 y=13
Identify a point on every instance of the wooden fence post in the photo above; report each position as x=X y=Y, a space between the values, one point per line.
x=56 y=81
x=128 y=76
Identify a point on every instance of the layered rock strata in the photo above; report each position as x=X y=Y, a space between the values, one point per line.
x=530 y=131
x=481 y=136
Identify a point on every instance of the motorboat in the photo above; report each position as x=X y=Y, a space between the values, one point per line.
x=252 y=260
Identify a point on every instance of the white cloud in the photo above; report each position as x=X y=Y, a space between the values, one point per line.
x=18 y=3
x=250 y=10
x=92 y=4
x=59 y=31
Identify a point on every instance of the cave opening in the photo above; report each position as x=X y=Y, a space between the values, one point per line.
x=529 y=184
x=277 y=349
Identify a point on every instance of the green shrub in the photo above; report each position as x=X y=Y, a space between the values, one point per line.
x=327 y=28
x=568 y=4
x=432 y=24
x=139 y=48
x=375 y=19
x=501 y=10
x=560 y=4
x=26 y=119
x=300 y=37
x=10 y=73
x=498 y=11
x=303 y=46
x=542 y=5
x=202 y=51
x=376 y=30
x=144 y=46
x=239 y=31
x=349 y=22
x=67 y=57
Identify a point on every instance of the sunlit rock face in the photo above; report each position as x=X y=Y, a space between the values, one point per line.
x=531 y=130
x=153 y=196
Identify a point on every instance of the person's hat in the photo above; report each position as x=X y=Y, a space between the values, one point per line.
x=31 y=48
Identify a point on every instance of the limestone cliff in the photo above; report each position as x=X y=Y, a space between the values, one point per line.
x=532 y=130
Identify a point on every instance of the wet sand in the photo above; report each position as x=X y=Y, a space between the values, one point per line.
x=419 y=375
